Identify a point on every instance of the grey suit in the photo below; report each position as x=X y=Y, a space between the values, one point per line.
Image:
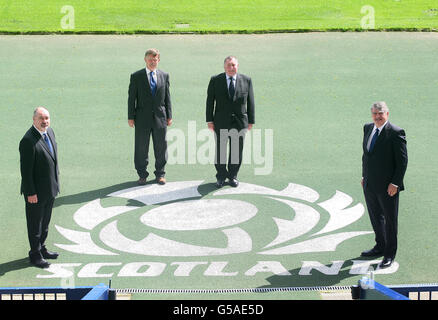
x=150 y=113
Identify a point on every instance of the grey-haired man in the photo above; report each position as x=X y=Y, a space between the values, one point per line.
x=384 y=163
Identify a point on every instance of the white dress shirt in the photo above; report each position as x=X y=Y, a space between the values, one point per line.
x=41 y=132
x=372 y=134
x=229 y=80
x=148 y=72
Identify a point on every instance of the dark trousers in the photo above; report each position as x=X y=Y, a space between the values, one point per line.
x=38 y=217
x=383 y=212
x=233 y=139
x=141 y=155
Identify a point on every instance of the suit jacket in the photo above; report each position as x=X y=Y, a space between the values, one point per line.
x=388 y=160
x=39 y=168
x=221 y=108
x=147 y=110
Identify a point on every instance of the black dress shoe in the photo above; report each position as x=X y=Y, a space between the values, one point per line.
x=141 y=181
x=372 y=253
x=220 y=183
x=49 y=254
x=234 y=182
x=38 y=261
x=386 y=262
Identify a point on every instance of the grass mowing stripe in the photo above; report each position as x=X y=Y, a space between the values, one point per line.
x=198 y=16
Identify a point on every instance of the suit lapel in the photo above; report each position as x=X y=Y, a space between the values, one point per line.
x=238 y=86
x=144 y=81
x=367 y=137
x=43 y=144
x=225 y=84
x=382 y=136
x=160 y=81
x=52 y=140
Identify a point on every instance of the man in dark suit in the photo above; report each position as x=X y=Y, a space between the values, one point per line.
x=39 y=183
x=150 y=112
x=229 y=113
x=384 y=163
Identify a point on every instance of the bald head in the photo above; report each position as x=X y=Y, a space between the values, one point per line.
x=41 y=118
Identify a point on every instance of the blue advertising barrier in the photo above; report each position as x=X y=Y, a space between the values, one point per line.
x=369 y=289
x=99 y=292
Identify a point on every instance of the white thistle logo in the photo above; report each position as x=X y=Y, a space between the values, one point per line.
x=223 y=215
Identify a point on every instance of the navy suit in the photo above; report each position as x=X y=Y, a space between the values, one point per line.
x=386 y=163
x=39 y=175
x=150 y=113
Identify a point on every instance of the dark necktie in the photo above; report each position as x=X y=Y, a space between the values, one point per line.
x=153 y=84
x=49 y=144
x=373 y=140
x=231 y=88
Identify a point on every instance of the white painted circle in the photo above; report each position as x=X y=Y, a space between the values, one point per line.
x=199 y=214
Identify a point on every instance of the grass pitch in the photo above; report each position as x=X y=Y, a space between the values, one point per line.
x=247 y=16
x=314 y=91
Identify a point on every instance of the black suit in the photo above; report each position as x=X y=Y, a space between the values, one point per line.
x=150 y=113
x=227 y=113
x=386 y=163
x=39 y=175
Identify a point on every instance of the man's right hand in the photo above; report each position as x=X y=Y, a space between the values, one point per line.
x=131 y=123
x=32 y=199
x=210 y=126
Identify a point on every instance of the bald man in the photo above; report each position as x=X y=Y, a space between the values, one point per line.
x=39 y=184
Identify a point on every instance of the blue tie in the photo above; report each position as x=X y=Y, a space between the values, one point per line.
x=49 y=144
x=373 y=140
x=153 y=84
x=231 y=88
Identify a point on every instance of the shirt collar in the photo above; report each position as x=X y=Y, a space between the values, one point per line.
x=41 y=132
x=149 y=71
x=381 y=128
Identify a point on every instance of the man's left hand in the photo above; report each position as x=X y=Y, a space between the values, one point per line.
x=392 y=190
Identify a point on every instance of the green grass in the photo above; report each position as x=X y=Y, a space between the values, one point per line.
x=313 y=89
x=200 y=16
